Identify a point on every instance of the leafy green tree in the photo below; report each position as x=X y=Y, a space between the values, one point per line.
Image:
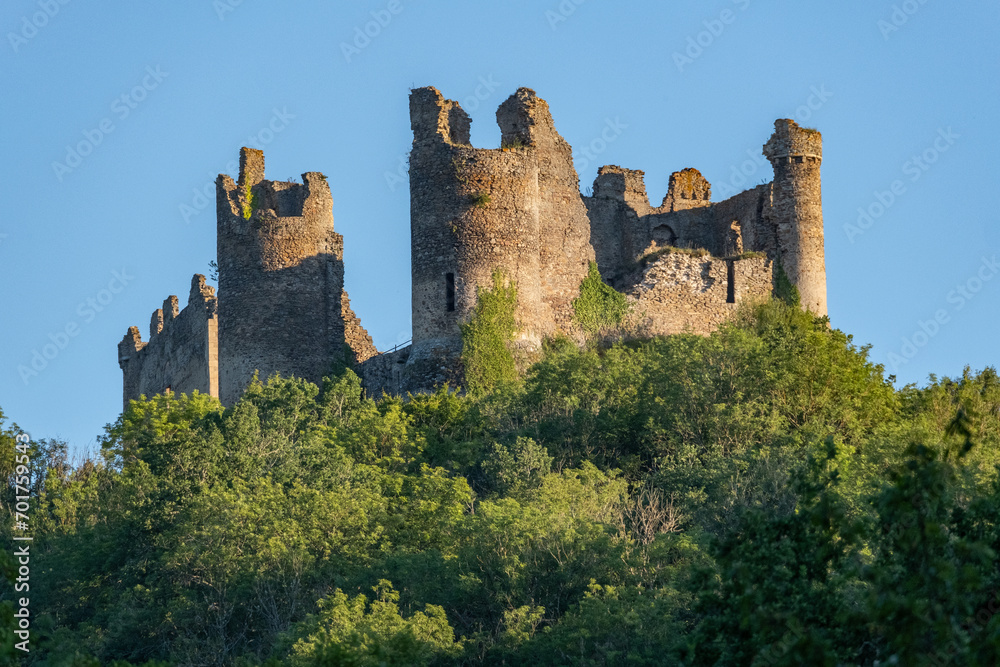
x=512 y=469
x=927 y=581
x=356 y=631
x=779 y=592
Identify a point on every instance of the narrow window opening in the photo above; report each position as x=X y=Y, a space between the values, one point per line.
x=449 y=291
x=730 y=282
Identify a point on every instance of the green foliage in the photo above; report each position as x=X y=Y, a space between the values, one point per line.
x=9 y=655
x=510 y=470
x=487 y=336
x=250 y=201
x=784 y=289
x=615 y=626
x=513 y=144
x=481 y=199
x=798 y=613
x=749 y=497
x=599 y=308
x=355 y=632
x=926 y=581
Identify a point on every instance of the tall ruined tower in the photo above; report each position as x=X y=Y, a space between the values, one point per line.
x=282 y=305
x=797 y=208
x=473 y=211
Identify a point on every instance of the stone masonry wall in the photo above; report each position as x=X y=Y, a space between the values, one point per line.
x=683 y=293
x=385 y=374
x=356 y=337
x=182 y=352
x=783 y=219
x=564 y=247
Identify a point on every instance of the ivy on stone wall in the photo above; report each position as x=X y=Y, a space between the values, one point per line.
x=486 y=337
x=250 y=203
x=784 y=289
x=599 y=307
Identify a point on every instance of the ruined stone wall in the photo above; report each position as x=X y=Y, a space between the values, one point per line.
x=617 y=210
x=359 y=343
x=282 y=306
x=783 y=219
x=743 y=223
x=386 y=374
x=687 y=189
x=683 y=293
x=182 y=352
x=624 y=226
x=281 y=280
x=565 y=251
x=472 y=212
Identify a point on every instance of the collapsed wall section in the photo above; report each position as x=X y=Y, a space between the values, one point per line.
x=743 y=223
x=625 y=227
x=181 y=355
x=681 y=292
x=782 y=219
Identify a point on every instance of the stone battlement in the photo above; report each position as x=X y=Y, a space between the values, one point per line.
x=182 y=352
x=686 y=265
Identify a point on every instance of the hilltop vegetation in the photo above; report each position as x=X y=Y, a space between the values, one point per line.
x=760 y=496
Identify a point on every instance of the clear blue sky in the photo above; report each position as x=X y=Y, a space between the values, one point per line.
x=692 y=83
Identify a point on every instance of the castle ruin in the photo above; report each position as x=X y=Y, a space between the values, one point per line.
x=685 y=265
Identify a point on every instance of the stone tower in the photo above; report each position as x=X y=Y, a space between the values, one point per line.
x=796 y=154
x=282 y=305
x=472 y=211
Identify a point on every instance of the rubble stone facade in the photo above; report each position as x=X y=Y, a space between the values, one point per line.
x=685 y=265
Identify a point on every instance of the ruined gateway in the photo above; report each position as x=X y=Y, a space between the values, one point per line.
x=282 y=307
